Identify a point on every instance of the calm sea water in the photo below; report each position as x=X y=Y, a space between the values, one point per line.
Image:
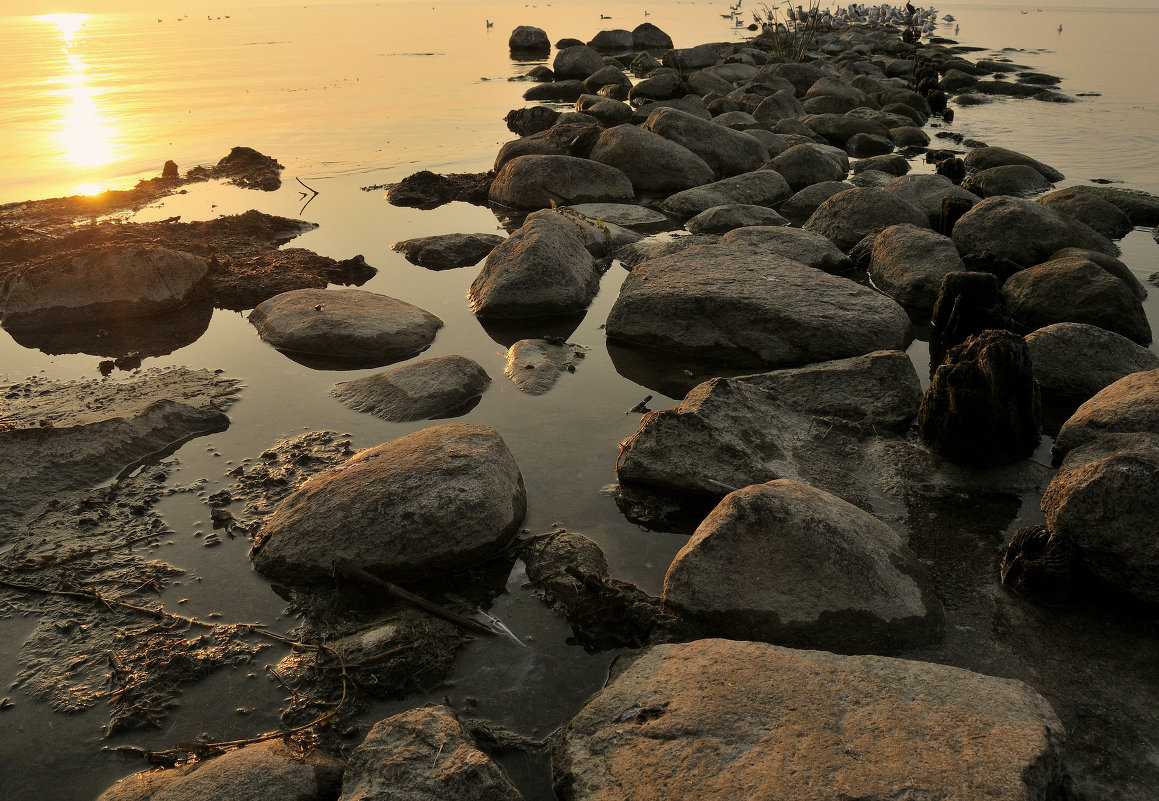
x=350 y=96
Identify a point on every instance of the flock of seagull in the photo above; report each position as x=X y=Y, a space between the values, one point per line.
x=907 y=16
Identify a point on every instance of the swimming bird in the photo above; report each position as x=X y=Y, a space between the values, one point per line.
x=490 y=24
x=1060 y=28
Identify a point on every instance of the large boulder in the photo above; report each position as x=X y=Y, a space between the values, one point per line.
x=542 y=269
x=107 y=283
x=1097 y=212
x=983 y=158
x=796 y=423
x=804 y=202
x=718 y=720
x=838 y=129
x=267 y=771
x=1109 y=263
x=1074 y=289
x=928 y=192
x=787 y=563
x=983 y=407
x=617 y=40
x=846 y=217
x=1023 y=231
x=780 y=105
x=529 y=38
x=419 y=391
x=1105 y=499
x=807 y=164
x=720 y=219
x=812 y=250
x=423 y=755
x=536 y=182
x=746 y=307
x=345 y=325
x=759 y=188
x=647 y=36
x=429 y=502
x=660 y=86
x=726 y=151
x=576 y=62
x=653 y=163
x=1074 y=361
x=1128 y=406
x=908 y=264
x=1018 y=180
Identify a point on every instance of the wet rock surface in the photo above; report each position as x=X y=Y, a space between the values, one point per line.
x=787 y=563
x=534 y=365
x=425 y=503
x=345 y=326
x=442 y=387
x=447 y=251
x=700 y=713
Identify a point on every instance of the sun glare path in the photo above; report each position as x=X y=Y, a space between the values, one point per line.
x=84 y=134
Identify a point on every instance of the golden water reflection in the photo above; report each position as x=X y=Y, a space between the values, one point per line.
x=84 y=135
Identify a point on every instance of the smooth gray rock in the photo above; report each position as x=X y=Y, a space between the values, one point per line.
x=703 y=82
x=625 y=214
x=689 y=103
x=802 y=75
x=555 y=141
x=807 y=164
x=269 y=771
x=610 y=113
x=109 y=282
x=983 y=158
x=1017 y=180
x=893 y=164
x=848 y=216
x=600 y=237
x=430 y=502
x=1100 y=214
x=345 y=325
x=803 y=203
x=927 y=191
x=865 y=146
x=423 y=755
x=535 y=182
x=909 y=136
x=534 y=365
x=747 y=307
x=576 y=62
x=837 y=129
x=1074 y=361
x=421 y=391
x=791 y=564
x=1128 y=406
x=1105 y=499
x=726 y=151
x=796 y=423
x=908 y=264
x=1108 y=263
x=686 y=59
x=447 y=251
x=542 y=269
x=1074 y=289
x=651 y=162
x=716 y=720
x=632 y=255
x=1023 y=231
x=812 y=250
x=720 y=219
x=662 y=86
x=780 y=105
x=607 y=76
x=759 y=188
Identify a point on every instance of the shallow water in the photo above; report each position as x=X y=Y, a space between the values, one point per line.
x=352 y=96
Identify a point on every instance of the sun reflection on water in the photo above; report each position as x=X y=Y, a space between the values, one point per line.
x=84 y=135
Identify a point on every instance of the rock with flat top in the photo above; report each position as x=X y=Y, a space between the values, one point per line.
x=420 y=391
x=718 y=720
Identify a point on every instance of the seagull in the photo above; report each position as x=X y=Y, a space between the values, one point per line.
x=1060 y=28
x=490 y=24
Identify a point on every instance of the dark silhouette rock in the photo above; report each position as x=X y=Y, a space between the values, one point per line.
x=982 y=407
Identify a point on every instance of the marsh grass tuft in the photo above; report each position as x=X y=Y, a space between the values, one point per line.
x=791 y=30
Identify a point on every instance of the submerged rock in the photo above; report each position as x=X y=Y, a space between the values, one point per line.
x=429 y=502
x=983 y=158
x=447 y=251
x=747 y=307
x=983 y=405
x=421 y=391
x=534 y=365
x=713 y=719
x=345 y=325
x=787 y=563
x=423 y=755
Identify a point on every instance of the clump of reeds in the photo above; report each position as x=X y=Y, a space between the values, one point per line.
x=791 y=30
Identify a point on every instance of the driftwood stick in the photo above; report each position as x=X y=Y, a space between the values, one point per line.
x=422 y=603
